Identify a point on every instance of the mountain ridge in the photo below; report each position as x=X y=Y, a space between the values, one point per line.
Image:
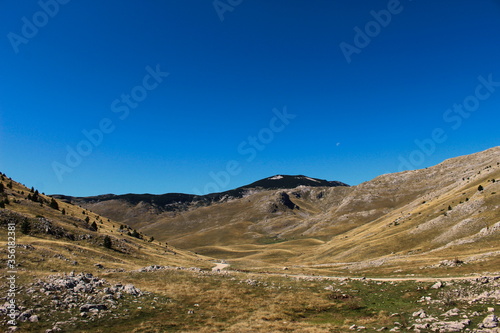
x=178 y=201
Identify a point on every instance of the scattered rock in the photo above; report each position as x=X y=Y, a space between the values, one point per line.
x=437 y=285
x=450 y=326
x=451 y=313
x=420 y=313
x=91 y=295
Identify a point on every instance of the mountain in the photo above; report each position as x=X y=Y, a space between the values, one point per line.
x=135 y=209
x=402 y=219
x=177 y=201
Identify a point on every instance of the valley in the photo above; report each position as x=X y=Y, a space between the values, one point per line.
x=406 y=252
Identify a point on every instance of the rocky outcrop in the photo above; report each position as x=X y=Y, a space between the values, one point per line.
x=79 y=295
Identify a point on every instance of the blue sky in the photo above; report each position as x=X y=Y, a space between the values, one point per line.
x=254 y=88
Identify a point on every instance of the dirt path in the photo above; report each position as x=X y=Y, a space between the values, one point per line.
x=381 y=279
x=223 y=265
x=219 y=267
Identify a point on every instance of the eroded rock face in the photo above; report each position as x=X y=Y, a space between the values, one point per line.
x=282 y=203
x=284 y=199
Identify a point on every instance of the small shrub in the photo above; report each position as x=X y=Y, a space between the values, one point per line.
x=353 y=303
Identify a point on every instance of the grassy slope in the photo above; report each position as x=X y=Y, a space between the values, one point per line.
x=127 y=252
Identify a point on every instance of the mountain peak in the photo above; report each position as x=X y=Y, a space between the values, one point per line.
x=291 y=181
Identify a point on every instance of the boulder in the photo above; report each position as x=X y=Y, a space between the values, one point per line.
x=132 y=290
x=437 y=285
x=88 y=307
x=491 y=321
x=450 y=326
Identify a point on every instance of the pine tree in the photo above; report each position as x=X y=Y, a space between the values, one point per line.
x=94 y=226
x=25 y=227
x=107 y=242
x=35 y=197
x=2 y=188
x=480 y=188
x=10 y=185
x=54 y=205
x=63 y=211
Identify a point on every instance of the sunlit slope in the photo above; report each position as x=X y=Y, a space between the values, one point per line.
x=63 y=237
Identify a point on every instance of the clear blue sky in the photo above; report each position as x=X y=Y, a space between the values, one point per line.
x=350 y=105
